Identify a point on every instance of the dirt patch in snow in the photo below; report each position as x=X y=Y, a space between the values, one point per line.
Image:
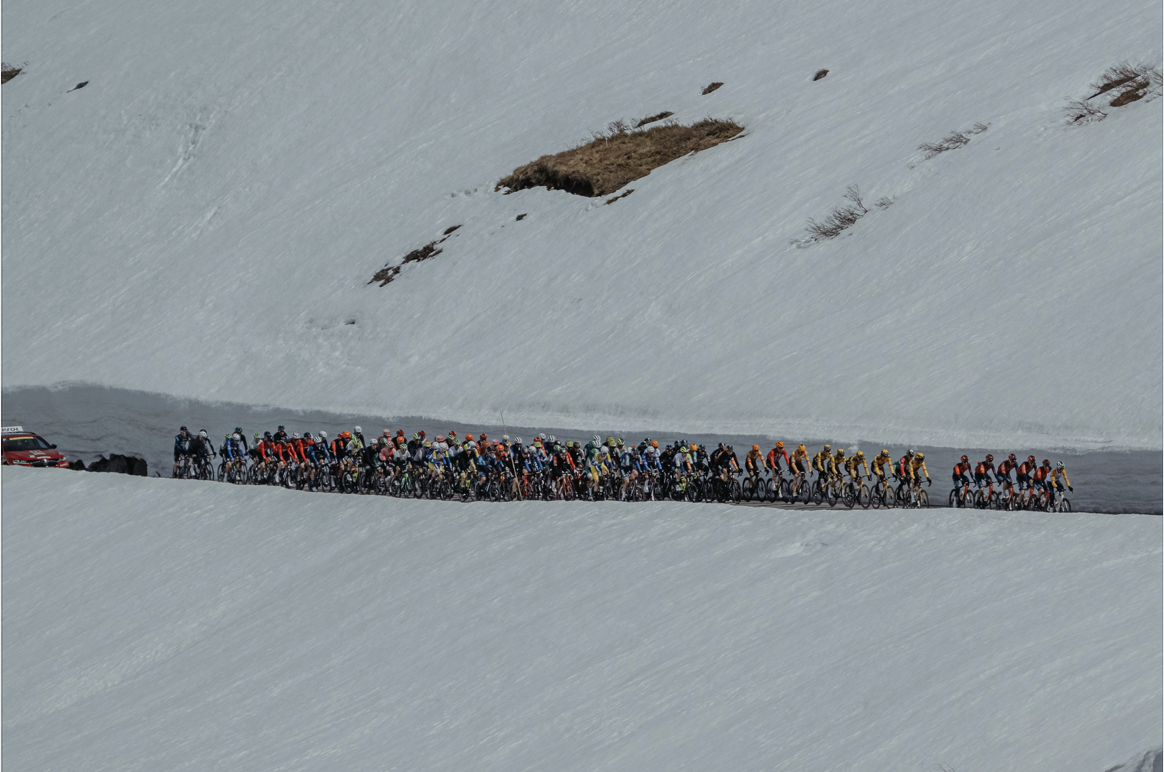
x=389 y=272
x=8 y=72
x=618 y=156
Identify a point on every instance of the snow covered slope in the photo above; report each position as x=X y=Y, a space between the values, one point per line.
x=202 y=218
x=157 y=624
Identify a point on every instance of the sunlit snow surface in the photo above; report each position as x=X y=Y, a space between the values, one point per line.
x=153 y=624
x=202 y=218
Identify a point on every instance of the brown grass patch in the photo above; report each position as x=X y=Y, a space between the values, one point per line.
x=618 y=157
x=653 y=118
x=711 y=87
x=8 y=72
x=626 y=193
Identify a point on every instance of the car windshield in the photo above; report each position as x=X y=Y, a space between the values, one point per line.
x=25 y=443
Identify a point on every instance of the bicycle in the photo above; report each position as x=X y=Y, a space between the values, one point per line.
x=755 y=487
x=857 y=494
x=911 y=495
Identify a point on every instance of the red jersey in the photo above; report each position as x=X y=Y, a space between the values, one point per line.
x=774 y=456
x=961 y=468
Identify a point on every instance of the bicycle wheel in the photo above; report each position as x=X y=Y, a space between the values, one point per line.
x=1065 y=505
x=864 y=497
x=831 y=494
x=923 y=499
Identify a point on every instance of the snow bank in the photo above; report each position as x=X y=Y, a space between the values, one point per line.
x=202 y=219
x=156 y=624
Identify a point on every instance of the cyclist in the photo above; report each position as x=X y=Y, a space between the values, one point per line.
x=280 y=434
x=984 y=472
x=880 y=461
x=918 y=464
x=1042 y=477
x=1002 y=474
x=822 y=463
x=181 y=447
x=800 y=463
x=243 y=437
x=961 y=481
x=754 y=462
x=1060 y=471
x=839 y=461
x=201 y=448
x=854 y=466
x=1025 y=470
x=902 y=470
x=774 y=456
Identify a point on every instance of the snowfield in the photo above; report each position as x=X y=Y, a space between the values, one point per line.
x=156 y=624
x=202 y=218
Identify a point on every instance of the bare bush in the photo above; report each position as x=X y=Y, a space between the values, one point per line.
x=653 y=118
x=711 y=87
x=613 y=158
x=1082 y=112
x=954 y=141
x=1129 y=82
x=838 y=221
x=884 y=202
x=820 y=74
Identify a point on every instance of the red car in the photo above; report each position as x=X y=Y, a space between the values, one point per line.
x=21 y=448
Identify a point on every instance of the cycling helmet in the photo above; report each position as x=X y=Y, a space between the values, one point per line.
x=421 y=433
x=755 y=447
x=840 y=451
x=505 y=438
x=266 y=435
x=228 y=437
x=307 y=436
x=1031 y=459
x=541 y=435
x=1059 y=465
x=346 y=435
x=204 y=435
x=482 y=438
x=552 y=438
x=558 y=449
x=989 y=457
x=359 y=430
x=780 y=445
x=885 y=451
x=1011 y=456
x=965 y=459
x=427 y=444
x=1046 y=462
x=468 y=437
x=323 y=435
x=257 y=435
x=294 y=435
x=692 y=447
x=828 y=448
x=517 y=441
x=729 y=447
x=655 y=444
x=860 y=454
x=920 y=456
x=238 y=430
x=703 y=448
x=451 y=434
x=183 y=429
x=802 y=448
x=911 y=452
x=236 y=436
x=281 y=427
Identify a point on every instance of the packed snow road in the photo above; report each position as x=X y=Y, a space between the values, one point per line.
x=86 y=421
x=238 y=628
